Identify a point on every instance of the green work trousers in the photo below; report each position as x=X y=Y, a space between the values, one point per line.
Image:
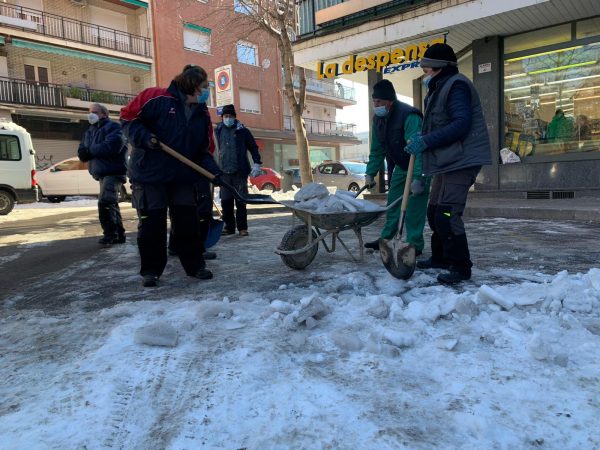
x=416 y=211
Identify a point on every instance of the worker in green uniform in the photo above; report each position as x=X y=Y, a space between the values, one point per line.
x=394 y=125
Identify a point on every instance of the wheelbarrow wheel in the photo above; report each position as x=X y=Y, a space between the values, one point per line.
x=295 y=239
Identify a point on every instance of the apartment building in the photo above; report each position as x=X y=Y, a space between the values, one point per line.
x=535 y=63
x=59 y=56
x=245 y=69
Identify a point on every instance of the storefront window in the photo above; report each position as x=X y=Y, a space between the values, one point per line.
x=552 y=101
x=588 y=28
x=538 y=38
x=286 y=156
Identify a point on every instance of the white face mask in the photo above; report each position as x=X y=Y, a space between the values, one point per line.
x=93 y=118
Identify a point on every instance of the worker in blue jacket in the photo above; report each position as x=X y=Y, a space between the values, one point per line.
x=454 y=144
x=103 y=148
x=178 y=117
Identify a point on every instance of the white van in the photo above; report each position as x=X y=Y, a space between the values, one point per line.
x=17 y=167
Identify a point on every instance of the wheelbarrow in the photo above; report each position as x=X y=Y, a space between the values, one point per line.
x=300 y=244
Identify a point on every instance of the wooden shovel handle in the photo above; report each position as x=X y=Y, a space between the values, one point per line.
x=409 y=175
x=186 y=161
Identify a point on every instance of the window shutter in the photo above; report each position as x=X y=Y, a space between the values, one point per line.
x=43 y=75
x=196 y=40
x=29 y=73
x=249 y=101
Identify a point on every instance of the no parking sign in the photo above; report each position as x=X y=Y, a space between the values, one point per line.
x=224 y=85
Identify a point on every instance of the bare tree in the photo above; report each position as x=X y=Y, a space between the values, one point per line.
x=276 y=20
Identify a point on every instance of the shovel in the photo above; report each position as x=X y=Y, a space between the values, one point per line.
x=253 y=199
x=399 y=258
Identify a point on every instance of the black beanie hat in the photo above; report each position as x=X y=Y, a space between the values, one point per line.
x=228 y=109
x=438 y=56
x=384 y=90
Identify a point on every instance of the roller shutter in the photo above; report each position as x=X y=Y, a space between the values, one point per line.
x=51 y=151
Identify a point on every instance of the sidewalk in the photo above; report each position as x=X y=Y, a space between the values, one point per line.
x=585 y=209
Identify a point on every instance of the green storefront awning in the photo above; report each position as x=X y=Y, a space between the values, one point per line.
x=136 y=3
x=2 y=40
x=77 y=54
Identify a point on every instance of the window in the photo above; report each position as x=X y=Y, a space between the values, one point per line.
x=196 y=38
x=538 y=38
x=210 y=102
x=552 y=101
x=247 y=53
x=10 y=149
x=249 y=101
x=36 y=71
x=242 y=7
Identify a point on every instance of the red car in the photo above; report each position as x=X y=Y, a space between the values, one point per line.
x=268 y=180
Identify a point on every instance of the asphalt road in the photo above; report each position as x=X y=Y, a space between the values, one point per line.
x=64 y=239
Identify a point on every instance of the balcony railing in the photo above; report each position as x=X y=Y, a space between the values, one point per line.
x=322 y=127
x=72 y=30
x=22 y=92
x=336 y=90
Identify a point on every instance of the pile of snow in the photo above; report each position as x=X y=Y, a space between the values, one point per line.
x=316 y=197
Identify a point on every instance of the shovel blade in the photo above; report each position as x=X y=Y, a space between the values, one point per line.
x=399 y=258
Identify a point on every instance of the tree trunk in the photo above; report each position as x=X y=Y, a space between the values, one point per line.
x=302 y=148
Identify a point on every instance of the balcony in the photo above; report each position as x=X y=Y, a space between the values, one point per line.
x=60 y=27
x=21 y=92
x=337 y=91
x=322 y=127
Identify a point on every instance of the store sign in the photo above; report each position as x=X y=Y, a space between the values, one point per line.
x=224 y=85
x=400 y=56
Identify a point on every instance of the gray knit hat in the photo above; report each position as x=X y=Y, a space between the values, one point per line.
x=439 y=56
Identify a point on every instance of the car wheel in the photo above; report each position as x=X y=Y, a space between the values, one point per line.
x=56 y=198
x=122 y=195
x=353 y=187
x=7 y=202
x=268 y=187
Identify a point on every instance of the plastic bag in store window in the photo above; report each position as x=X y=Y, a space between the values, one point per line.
x=508 y=157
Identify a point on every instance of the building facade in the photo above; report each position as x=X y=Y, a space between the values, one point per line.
x=212 y=35
x=59 y=56
x=536 y=65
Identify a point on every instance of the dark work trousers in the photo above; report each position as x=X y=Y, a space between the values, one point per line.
x=109 y=212
x=204 y=206
x=444 y=214
x=152 y=202
x=240 y=183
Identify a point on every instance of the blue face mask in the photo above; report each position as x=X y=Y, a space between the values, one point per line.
x=228 y=121
x=380 y=111
x=427 y=80
x=203 y=97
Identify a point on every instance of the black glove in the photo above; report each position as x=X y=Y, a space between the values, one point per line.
x=84 y=154
x=153 y=143
x=217 y=180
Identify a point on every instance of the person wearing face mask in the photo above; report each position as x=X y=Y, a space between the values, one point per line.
x=235 y=141
x=103 y=148
x=454 y=144
x=178 y=117
x=393 y=125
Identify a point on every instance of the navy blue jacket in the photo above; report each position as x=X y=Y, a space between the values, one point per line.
x=108 y=150
x=161 y=112
x=244 y=142
x=458 y=108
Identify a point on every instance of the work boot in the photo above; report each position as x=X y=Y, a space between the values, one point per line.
x=203 y=274
x=209 y=255
x=243 y=232
x=430 y=263
x=150 y=280
x=455 y=276
x=227 y=232
x=373 y=245
x=107 y=241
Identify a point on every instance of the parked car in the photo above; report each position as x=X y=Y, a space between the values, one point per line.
x=69 y=178
x=17 y=167
x=268 y=180
x=342 y=174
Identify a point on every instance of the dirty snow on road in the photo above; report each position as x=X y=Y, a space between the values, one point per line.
x=347 y=359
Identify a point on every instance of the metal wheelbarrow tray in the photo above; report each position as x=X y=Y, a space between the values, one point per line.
x=299 y=245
